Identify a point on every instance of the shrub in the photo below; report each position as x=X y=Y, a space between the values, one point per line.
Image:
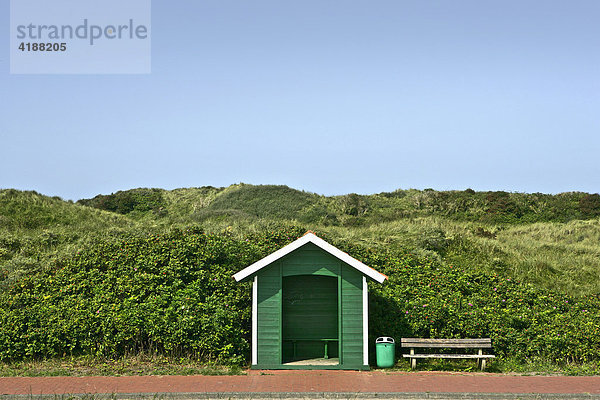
x=589 y=205
x=125 y=202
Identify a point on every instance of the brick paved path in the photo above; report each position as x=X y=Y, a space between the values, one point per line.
x=307 y=381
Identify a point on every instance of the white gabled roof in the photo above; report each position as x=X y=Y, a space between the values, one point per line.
x=312 y=238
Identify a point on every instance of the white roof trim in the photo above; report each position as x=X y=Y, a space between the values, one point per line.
x=312 y=238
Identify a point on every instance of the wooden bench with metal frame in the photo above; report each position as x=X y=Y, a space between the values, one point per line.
x=479 y=344
x=324 y=341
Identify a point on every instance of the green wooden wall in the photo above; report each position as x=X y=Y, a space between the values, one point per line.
x=352 y=320
x=269 y=315
x=294 y=268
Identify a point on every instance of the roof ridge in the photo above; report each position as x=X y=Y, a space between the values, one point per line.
x=311 y=237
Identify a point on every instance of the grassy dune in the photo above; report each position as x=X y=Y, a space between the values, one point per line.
x=36 y=230
x=552 y=241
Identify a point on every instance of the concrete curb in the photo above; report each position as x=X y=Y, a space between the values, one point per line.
x=304 y=396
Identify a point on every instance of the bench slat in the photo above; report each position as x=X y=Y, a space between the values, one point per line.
x=448 y=356
x=446 y=343
x=430 y=340
x=447 y=346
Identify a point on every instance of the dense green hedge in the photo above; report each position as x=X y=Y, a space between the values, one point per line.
x=174 y=294
x=431 y=300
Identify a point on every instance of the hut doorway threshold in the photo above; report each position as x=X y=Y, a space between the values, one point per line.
x=314 y=361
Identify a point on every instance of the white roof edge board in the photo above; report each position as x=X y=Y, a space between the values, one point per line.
x=310 y=237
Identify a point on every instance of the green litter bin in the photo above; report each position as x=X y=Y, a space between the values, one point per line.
x=385 y=349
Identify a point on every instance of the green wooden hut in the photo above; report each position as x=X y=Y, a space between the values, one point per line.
x=309 y=307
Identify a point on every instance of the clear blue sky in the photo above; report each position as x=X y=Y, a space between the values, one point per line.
x=331 y=97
